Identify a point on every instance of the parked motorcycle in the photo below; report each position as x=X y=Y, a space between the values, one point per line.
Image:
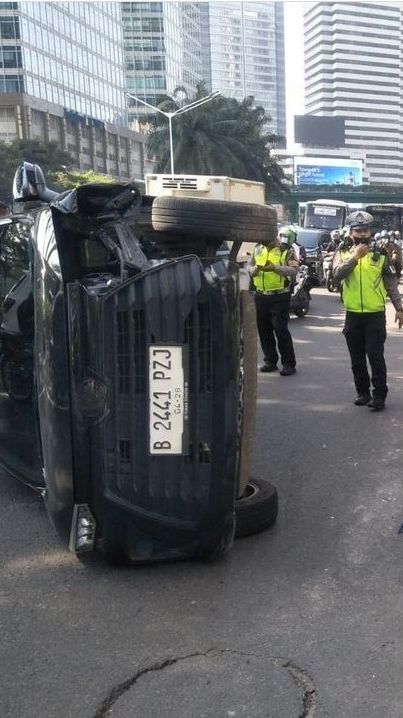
x=328 y=271
x=301 y=297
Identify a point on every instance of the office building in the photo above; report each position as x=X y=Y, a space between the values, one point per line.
x=162 y=49
x=243 y=54
x=62 y=79
x=68 y=53
x=353 y=68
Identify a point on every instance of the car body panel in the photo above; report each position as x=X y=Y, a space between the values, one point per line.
x=94 y=323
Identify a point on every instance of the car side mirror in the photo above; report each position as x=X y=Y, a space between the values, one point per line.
x=29 y=184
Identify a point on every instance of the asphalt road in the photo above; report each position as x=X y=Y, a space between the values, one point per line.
x=302 y=621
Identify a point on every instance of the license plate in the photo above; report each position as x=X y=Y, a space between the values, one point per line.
x=168 y=399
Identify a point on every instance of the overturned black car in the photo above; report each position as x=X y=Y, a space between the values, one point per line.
x=128 y=366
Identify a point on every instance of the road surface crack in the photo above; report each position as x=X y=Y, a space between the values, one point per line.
x=304 y=681
x=300 y=677
x=106 y=708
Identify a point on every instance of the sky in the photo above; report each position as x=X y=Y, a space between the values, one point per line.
x=294 y=64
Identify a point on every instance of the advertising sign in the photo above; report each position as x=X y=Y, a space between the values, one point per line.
x=316 y=171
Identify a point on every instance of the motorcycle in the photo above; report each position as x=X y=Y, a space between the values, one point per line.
x=328 y=271
x=301 y=297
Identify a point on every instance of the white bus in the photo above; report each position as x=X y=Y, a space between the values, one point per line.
x=325 y=214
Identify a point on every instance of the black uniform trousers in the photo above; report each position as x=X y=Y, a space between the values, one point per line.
x=365 y=335
x=272 y=315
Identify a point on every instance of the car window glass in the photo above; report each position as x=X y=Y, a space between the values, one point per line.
x=14 y=258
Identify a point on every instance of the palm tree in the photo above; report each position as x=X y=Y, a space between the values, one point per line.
x=223 y=137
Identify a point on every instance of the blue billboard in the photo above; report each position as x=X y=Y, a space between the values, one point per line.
x=315 y=171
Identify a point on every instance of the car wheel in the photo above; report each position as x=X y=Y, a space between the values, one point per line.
x=213 y=219
x=257 y=509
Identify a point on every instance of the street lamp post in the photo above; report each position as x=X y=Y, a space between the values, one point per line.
x=180 y=111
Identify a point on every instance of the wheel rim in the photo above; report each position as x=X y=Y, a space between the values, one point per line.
x=251 y=490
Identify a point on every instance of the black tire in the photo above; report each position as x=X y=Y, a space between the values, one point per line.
x=213 y=219
x=257 y=510
x=162 y=245
x=329 y=285
x=302 y=312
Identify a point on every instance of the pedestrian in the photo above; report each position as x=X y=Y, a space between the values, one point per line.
x=366 y=280
x=272 y=268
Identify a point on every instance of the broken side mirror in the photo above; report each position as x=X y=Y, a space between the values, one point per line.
x=29 y=184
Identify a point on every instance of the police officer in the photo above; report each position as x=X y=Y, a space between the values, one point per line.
x=366 y=280
x=271 y=268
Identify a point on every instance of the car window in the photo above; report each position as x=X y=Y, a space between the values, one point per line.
x=14 y=257
x=309 y=240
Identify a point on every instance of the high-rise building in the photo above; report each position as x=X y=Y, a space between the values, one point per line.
x=162 y=47
x=353 y=68
x=62 y=79
x=69 y=53
x=245 y=54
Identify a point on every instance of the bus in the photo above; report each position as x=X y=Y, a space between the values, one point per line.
x=325 y=214
x=386 y=216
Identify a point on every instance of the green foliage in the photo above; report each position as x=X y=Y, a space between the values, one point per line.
x=63 y=180
x=222 y=137
x=48 y=155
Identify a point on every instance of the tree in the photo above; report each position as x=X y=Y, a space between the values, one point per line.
x=51 y=159
x=69 y=179
x=47 y=154
x=222 y=137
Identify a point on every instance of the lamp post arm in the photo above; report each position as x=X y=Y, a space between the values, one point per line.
x=147 y=104
x=179 y=111
x=195 y=104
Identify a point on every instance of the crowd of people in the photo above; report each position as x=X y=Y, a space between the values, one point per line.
x=367 y=270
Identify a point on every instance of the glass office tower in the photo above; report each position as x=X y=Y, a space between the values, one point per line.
x=244 y=54
x=68 y=53
x=353 y=68
x=162 y=45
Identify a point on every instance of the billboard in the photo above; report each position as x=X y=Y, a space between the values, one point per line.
x=316 y=131
x=317 y=170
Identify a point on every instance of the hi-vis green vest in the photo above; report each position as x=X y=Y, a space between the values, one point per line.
x=363 y=290
x=269 y=281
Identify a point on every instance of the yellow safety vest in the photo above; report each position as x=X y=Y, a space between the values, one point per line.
x=363 y=290
x=269 y=281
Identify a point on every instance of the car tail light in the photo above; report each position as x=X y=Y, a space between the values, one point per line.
x=82 y=533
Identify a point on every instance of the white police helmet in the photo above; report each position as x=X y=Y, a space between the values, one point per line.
x=359 y=219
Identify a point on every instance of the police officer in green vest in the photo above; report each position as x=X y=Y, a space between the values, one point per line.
x=272 y=267
x=366 y=280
